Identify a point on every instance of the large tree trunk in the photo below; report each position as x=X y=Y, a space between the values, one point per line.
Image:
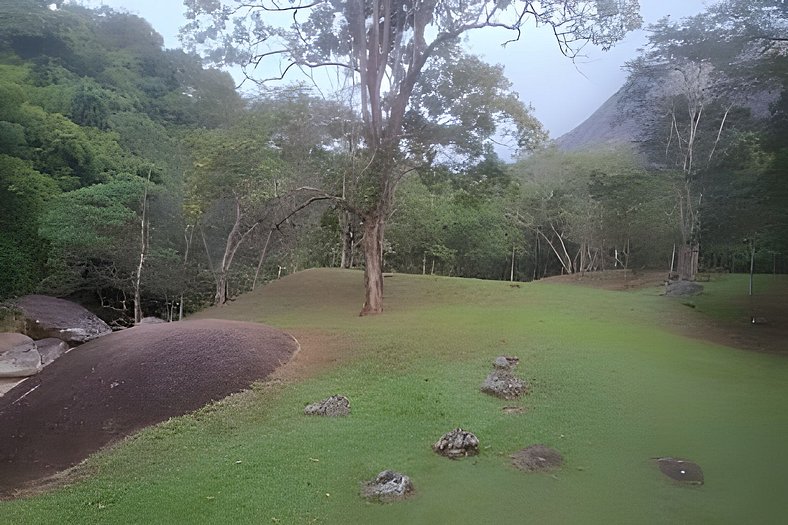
x=372 y=243
x=687 y=265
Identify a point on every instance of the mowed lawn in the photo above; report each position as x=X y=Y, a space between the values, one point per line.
x=613 y=386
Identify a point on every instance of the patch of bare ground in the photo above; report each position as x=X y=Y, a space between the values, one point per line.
x=769 y=332
x=618 y=280
x=318 y=352
x=769 y=311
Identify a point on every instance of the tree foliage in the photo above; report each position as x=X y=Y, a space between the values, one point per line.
x=385 y=46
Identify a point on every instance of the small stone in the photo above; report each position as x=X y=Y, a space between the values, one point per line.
x=502 y=363
x=505 y=362
x=512 y=410
x=333 y=406
x=387 y=486
x=457 y=444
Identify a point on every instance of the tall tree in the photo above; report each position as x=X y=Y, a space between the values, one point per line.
x=385 y=45
x=702 y=81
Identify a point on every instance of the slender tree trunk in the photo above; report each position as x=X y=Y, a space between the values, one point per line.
x=752 y=263
x=262 y=258
x=144 y=233
x=372 y=244
x=234 y=240
x=188 y=239
x=536 y=256
x=511 y=272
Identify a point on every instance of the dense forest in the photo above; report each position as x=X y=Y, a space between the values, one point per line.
x=139 y=180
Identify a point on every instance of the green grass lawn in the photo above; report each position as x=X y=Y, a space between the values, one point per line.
x=612 y=388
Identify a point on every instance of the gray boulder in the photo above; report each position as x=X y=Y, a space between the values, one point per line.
x=503 y=362
x=19 y=356
x=50 y=349
x=683 y=288
x=332 y=407
x=52 y=317
x=388 y=486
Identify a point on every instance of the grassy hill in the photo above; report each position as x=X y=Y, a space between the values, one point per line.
x=613 y=385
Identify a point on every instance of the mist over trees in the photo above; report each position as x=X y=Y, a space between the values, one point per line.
x=142 y=182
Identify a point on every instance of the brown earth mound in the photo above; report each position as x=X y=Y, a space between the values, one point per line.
x=113 y=386
x=681 y=470
x=537 y=458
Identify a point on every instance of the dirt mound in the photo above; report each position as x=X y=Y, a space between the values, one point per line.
x=681 y=470
x=115 y=385
x=537 y=458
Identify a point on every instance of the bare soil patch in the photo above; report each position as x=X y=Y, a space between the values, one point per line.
x=681 y=470
x=114 y=386
x=769 y=332
x=618 y=280
x=537 y=458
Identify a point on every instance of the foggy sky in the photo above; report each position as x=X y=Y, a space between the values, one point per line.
x=562 y=93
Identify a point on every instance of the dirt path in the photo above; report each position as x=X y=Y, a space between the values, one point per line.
x=113 y=386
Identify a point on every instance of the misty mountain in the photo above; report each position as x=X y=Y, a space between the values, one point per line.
x=609 y=125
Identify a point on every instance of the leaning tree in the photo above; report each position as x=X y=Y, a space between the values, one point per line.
x=384 y=46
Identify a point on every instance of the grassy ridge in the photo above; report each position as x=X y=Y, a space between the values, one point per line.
x=611 y=389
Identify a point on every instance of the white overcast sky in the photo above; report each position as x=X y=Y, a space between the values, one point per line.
x=562 y=93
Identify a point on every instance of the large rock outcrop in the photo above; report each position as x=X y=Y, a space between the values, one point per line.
x=65 y=320
x=19 y=356
x=50 y=349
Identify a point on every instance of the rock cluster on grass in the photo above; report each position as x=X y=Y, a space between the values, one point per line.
x=458 y=443
x=331 y=407
x=536 y=458
x=681 y=470
x=502 y=382
x=387 y=486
